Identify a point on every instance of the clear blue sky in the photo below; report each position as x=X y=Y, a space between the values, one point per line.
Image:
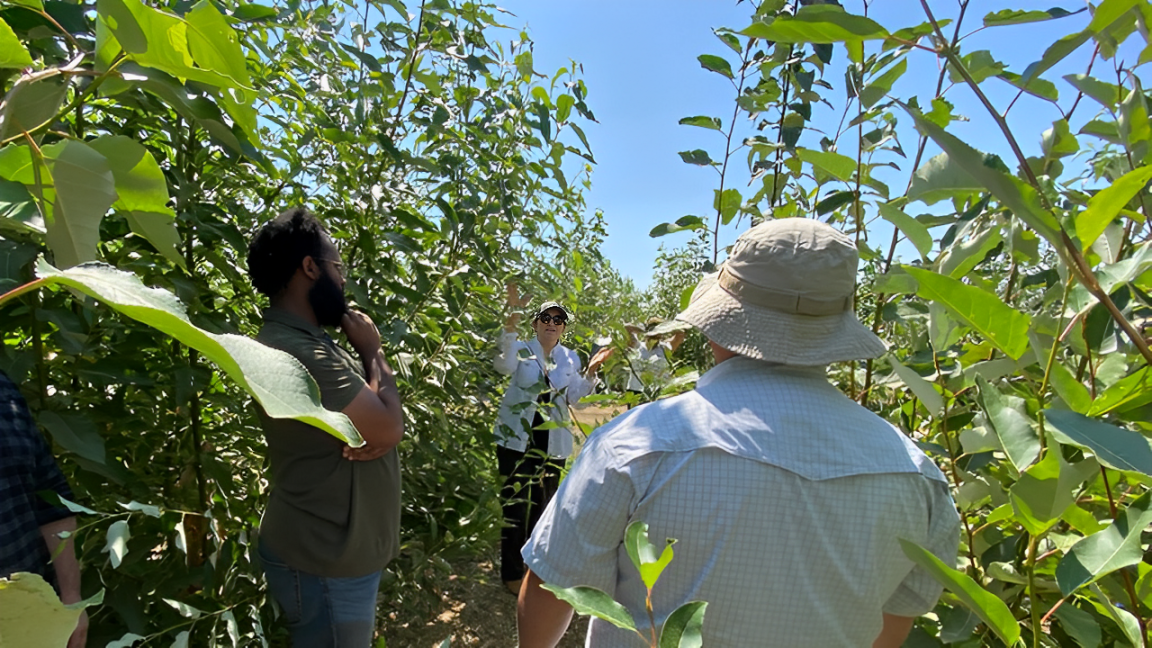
x=639 y=62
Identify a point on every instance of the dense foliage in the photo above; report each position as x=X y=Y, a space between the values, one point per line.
x=155 y=138
x=1020 y=356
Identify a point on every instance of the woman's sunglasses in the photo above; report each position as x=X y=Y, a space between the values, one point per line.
x=559 y=320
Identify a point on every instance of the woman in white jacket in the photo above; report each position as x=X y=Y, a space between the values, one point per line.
x=545 y=380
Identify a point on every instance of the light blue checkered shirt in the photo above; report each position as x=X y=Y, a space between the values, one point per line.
x=787 y=499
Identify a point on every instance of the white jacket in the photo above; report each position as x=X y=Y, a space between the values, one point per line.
x=523 y=361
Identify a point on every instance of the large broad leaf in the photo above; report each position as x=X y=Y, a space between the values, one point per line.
x=1020 y=16
x=140 y=184
x=158 y=40
x=159 y=230
x=275 y=379
x=75 y=433
x=1114 y=447
x=1105 y=205
x=591 y=601
x=916 y=232
x=838 y=166
x=214 y=44
x=1081 y=626
x=1008 y=419
x=1011 y=192
x=919 y=387
x=116 y=542
x=31 y=613
x=964 y=255
x=84 y=190
x=32 y=102
x=818 y=24
x=1055 y=53
x=984 y=312
x=644 y=555
x=1127 y=621
x=13 y=54
x=684 y=628
x=1106 y=551
x=985 y=604
x=940 y=178
x=1043 y=493
x=1131 y=391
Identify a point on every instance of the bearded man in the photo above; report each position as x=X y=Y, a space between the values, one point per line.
x=333 y=516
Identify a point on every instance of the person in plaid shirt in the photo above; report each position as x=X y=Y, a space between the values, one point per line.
x=30 y=527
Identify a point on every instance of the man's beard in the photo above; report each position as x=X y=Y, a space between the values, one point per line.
x=327 y=301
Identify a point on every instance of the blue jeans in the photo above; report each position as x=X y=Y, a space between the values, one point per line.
x=322 y=612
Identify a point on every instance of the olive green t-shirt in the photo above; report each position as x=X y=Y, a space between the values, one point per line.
x=326 y=515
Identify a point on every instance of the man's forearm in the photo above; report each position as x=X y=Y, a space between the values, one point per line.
x=382 y=380
x=63 y=557
x=541 y=618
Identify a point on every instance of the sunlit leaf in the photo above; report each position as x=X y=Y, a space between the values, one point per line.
x=1114 y=447
x=834 y=164
x=919 y=387
x=1020 y=16
x=684 y=627
x=1106 y=551
x=984 y=312
x=1107 y=203
x=715 y=64
x=823 y=23
x=987 y=605
x=591 y=601
x=711 y=123
x=1010 y=421
x=13 y=54
x=31 y=613
x=916 y=232
x=117 y=542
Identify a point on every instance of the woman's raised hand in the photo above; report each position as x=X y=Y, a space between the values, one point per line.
x=598 y=359
x=515 y=301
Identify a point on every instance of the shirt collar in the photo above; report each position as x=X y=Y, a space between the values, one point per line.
x=281 y=316
x=743 y=364
x=538 y=349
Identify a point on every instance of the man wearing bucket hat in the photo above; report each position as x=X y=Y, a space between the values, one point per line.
x=788 y=498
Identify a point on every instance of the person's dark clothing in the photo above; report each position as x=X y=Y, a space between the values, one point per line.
x=530 y=480
x=26 y=469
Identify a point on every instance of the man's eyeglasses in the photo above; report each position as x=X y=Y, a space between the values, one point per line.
x=559 y=320
x=338 y=264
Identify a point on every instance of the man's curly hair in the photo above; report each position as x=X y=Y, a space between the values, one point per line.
x=279 y=248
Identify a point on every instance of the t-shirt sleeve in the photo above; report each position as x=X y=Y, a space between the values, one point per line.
x=579 y=534
x=338 y=380
x=919 y=591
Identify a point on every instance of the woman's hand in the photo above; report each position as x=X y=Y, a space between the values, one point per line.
x=598 y=359
x=515 y=301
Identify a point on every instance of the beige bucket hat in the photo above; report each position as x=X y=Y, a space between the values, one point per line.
x=785 y=295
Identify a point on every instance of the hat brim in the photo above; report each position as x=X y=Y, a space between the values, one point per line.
x=775 y=336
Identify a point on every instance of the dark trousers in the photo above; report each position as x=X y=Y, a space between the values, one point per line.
x=530 y=480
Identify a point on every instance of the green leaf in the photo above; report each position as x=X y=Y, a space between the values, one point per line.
x=1037 y=87
x=817 y=24
x=147 y=509
x=711 y=123
x=159 y=230
x=726 y=203
x=1011 y=192
x=1058 y=141
x=984 y=312
x=564 y=105
x=1128 y=622
x=979 y=64
x=834 y=201
x=1072 y=391
x=958 y=260
x=1104 y=93
x=1106 y=551
x=697 y=156
x=214 y=44
x=940 y=178
x=1055 y=53
x=275 y=379
x=684 y=627
x=1079 y=625
x=834 y=164
x=116 y=545
x=31 y=613
x=1020 y=16
x=32 y=102
x=591 y=601
x=985 y=604
x=254 y=12
x=1108 y=12
x=1132 y=391
x=1106 y=204
x=1007 y=417
x=75 y=433
x=916 y=232
x=17 y=208
x=921 y=388
x=1114 y=447
x=715 y=64
x=681 y=224
x=643 y=553
x=882 y=85
x=140 y=184
x=13 y=54
x=1043 y=493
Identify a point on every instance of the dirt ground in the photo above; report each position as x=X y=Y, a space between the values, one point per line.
x=475 y=611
